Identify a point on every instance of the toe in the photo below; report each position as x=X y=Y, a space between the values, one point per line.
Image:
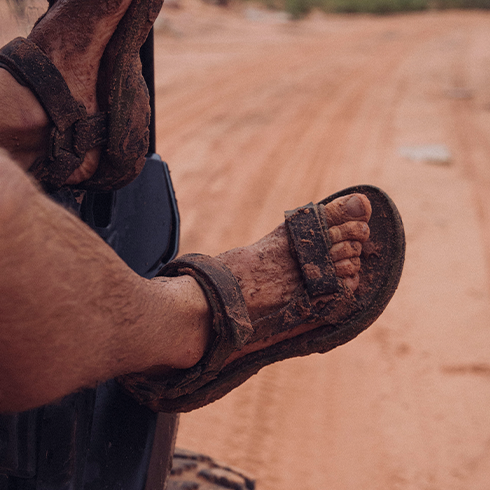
x=345 y=250
x=352 y=282
x=347 y=267
x=352 y=230
x=354 y=207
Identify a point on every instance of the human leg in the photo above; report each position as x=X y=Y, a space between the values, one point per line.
x=170 y=318
x=73 y=314
x=285 y=303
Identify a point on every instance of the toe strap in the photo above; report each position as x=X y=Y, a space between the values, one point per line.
x=308 y=240
x=74 y=132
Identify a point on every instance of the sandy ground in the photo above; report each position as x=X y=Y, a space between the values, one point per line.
x=257 y=115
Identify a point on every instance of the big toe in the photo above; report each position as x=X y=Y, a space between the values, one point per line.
x=353 y=207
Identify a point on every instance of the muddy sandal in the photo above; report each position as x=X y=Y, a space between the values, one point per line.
x=122 y=92
x=120 y=129
x=336 y=313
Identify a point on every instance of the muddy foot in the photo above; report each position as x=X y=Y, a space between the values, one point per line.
x=277 y=302
x=268 y=274
x=74 y=36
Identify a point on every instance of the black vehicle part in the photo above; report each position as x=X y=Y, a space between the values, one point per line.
x=140 y=221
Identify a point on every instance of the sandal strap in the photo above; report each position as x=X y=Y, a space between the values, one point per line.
x=74 y=132
x=308 y=240
x=230 y=315
x=231 y=324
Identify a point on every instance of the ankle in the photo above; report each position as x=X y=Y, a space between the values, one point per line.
x=187 y=339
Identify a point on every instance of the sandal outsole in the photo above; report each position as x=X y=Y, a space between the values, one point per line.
x=382 y=263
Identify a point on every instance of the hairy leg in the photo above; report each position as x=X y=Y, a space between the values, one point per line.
x=71 y=312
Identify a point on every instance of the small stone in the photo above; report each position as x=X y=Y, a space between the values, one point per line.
x=434 y=154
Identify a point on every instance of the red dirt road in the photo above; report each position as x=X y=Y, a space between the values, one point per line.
x=257 y=115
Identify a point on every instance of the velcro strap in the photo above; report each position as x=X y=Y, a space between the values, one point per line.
x=307 y=232
x=74 y=132
x=27 y=62
x=90 y=133
x=223 y=293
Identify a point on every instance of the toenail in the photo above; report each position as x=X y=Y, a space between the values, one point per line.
x=364 y=227
x=354 y=207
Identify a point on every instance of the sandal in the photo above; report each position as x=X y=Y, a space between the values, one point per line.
x=120 y=129
x=322 y=300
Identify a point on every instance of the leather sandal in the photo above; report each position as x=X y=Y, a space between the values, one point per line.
x=336 y=313
x=121 y=129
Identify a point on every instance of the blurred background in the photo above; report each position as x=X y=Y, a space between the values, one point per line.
x=265 y=107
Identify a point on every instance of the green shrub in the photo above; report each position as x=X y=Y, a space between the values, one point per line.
x=299 y=8
x=461 y=4
x=376 y=6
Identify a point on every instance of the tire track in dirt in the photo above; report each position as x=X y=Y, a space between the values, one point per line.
x=473 y=133
x=277 y=139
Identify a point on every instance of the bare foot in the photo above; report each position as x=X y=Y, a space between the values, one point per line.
x=269 y=278
x=74 y=36
x=268 y=274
